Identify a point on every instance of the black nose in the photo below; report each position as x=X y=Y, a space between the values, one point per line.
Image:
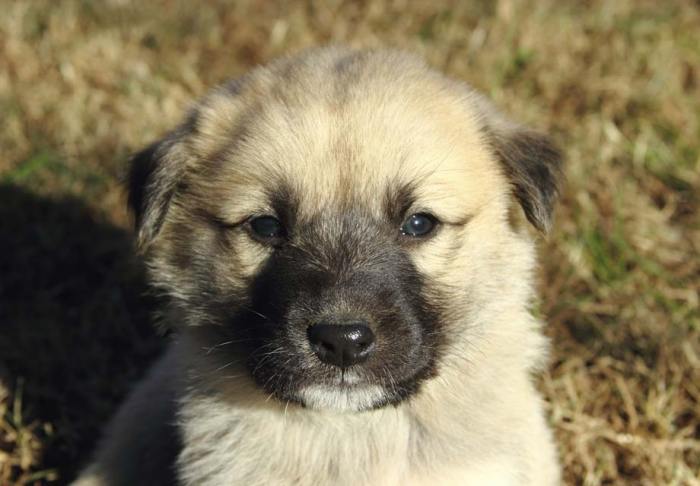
x=341 y=344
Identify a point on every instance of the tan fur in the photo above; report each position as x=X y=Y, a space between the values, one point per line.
x=388 y=119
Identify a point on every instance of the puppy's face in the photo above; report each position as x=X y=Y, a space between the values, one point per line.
x=337 y=220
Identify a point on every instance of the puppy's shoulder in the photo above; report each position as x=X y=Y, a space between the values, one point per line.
x=141 y=443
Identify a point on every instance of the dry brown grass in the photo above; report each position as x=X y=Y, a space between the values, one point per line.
x=617 y=82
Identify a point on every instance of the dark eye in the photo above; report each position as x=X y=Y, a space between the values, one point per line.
x=266 y=227
x=418 y=225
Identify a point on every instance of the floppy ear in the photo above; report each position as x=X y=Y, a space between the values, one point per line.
x=154 y=175
x=158 y=170
x=532 y=163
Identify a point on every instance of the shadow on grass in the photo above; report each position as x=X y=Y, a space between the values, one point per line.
x=75 y=320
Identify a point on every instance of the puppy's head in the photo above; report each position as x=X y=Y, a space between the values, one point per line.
x=338 y=222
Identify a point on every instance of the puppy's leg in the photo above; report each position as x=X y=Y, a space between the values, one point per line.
x=141 y=443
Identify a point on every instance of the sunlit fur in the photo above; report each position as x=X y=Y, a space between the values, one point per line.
x=340 y=129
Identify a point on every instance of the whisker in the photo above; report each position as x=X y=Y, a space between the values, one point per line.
x=225 y=366
x=256 y=313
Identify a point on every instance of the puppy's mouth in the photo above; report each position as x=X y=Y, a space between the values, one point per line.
x=303 y=379
x=343 y=397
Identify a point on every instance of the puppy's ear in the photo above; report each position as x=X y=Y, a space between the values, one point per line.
x=158 y=170
x=532 y=163
x=154 y=175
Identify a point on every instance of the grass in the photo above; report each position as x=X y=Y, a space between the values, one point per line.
x=83 y=84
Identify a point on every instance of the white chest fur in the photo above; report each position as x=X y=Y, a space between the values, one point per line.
x=232 y=444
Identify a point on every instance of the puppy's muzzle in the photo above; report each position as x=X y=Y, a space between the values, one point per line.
x=341 y=345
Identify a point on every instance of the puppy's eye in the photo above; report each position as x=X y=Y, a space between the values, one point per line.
x=267 y=227
x=420 y=224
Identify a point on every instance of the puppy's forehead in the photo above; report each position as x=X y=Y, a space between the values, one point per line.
x=355 y=134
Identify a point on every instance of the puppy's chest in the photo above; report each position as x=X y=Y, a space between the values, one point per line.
x=243 y=446
x=231 y=447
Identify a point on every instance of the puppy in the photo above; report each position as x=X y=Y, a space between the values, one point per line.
x=348 y=290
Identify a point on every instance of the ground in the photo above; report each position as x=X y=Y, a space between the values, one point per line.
x=617 y=83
